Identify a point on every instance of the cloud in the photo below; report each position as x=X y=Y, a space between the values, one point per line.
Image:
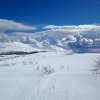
x=28 y=40
x=97 y=42
x=73 y=28
x=12 y=25
x=86 y=42
x=19 y=35
x=4 y=38
x=90 y=31
x=78 y=37
x=77 y=41
x=70 y=38
x=73 y=33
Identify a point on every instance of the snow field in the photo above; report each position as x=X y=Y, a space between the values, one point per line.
x=72 y=78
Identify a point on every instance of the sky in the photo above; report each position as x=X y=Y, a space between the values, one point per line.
x=56 y=12
x=76 y=23
x=57 y=18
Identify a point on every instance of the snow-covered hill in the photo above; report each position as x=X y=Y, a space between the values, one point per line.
x=16 y=46
x=22 y=47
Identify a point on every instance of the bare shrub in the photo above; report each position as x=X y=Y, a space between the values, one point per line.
x=24 y=63
x=5 y=65
x=13 y=63
x=97 y=63
x=61 y=66
x=47 y=70
x=52 y=87
x=31 y=62
x=68 y=67
x=96 y=66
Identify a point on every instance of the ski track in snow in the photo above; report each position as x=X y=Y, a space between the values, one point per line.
x=23 y=82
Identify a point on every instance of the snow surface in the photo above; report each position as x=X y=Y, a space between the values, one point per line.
x=23 y=78
x=18 y=46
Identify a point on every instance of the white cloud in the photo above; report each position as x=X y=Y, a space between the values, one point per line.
x=69 y=38
x=59 y=27
x=12 y=25
x=73 y=28
x=77 y=41
x=86 y=41
x=78 y=36
x=4 y=38
x=19 y=35
x=28 y=40
x=59 y=32
x=97 y=42
x=92 y=31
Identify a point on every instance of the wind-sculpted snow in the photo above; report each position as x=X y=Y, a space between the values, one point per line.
x=23 y=77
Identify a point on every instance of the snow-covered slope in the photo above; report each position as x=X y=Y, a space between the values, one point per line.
x=71 y=77
x=16 y=46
